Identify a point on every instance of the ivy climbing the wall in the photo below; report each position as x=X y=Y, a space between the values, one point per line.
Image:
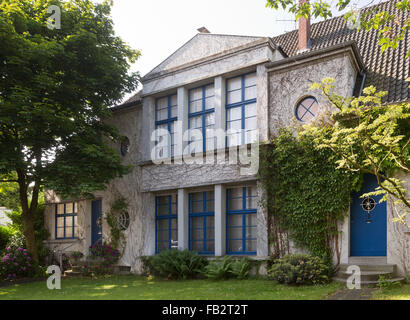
x=305 y=195
x=112 y=217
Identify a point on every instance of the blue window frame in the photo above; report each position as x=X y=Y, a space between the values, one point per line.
x=166 y=223
x=166 y=113
x=307 y=109
x=241 y=119
x=66 y=220
x=241 y=225
x=202 y=114
x=202 y=222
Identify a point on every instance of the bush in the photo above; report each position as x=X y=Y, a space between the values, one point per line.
x=177 y=264
x=220 y=269
x=300 y=269
x=16 y=263
x=241 y=268
x=108 y=255
x=5 y=235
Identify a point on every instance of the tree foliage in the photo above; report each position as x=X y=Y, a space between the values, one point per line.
x=373 y=18
x=369 y=137
x=55 y=89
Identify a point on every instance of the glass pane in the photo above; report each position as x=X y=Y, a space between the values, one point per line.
x=174 y=238
x=76 y=232
x=235 y=233
x=60 y=208
x=69 y=221
x=210 y=225
x=251 y=232
x=251 y=220
x=235 y=199
x=75 y=221
x=174 y=112
x=162 y=103
x=235 y=246
x=235 y=83
x=174 y=224
x=210 y=119
x=234 y=139
x=195 y=122
x=69 y=208
x=197 y=245
x=162 y=225
x=174 y=100
x=209 y=91
x=60 y=232
x=209 y=103
x=235 y=220
x=250 y=110
x=197 y=202
x=162 y=246
x=250 y=93
x=195 y=106
x=234 y=114
x=162 y=114
x=60 y=222
x=68 y=232
x=195 y=94
x=210 y=246
x=250 y=80
x=251 y=245
x=251 y=136
x=163 y=235
x=75 y=207
x=234 y=126
x=210 y=201
x=252 y=197
x=234 y=96
x=251 y=124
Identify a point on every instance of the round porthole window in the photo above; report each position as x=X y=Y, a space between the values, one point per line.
x=125 y=146
x=307 y=109
x=124 y=220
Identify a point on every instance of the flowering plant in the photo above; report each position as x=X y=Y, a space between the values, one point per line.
x=106 y=252
x=16 y=263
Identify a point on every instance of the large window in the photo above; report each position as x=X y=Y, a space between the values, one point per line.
x=201 y=222
x=166 y=235
x=202 y=116
x=166 y=113
x=66 y=220
x=241 y=226
x=241 y=120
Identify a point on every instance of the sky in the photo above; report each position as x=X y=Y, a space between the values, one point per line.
x=158 y=28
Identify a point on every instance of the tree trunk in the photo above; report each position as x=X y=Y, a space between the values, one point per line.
x=28 y=223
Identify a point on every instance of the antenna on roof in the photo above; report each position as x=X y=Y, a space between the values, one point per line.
x=292 y=20
x=203 y=30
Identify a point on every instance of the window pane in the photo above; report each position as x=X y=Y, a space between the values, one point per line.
x=60 y=208
x=251 y=136
x=174 y=100
x=250 y=80
x=251 y=220
x=162 y=246
x=195 y=94
x=234 y=114
x=250 y=93
x=235 y=245
x=162 y=114
x=197 y=202
x=195 y=106
x=252 y=197
x=209 y=91
x=174 y=112
x=235 y=199
x=251 y=124
x=60 y=222
x=250 y=110
x=60 y=232
x=209 y=103
x=75 y=207
x=251 y=245
x=210 y=119
x=234 y=84
x=162 y=103
x=235 y=233
x=235 y=126
x=210 y=201
x=197 y=226
x=234 y=139
x=68 y=232
x=210 y=246
x=76 y=232
x=235 y=220
x=210 y=225
x=250 y=232
x=195 y=122
x=197 y=245
x=234 y=96
x=69 y=208
x=69 y=221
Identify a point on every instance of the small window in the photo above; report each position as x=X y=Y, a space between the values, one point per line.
x=166 y=222
x=307 y=109
x=124 y=220
x=125 y=146
x=66 y=220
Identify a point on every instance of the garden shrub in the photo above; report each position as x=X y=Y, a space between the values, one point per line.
x=5 y=234
x=300 y=269
x=108 y=255
x=16 y=263
x=241 y=268
x=219 y=269
x=177 y=264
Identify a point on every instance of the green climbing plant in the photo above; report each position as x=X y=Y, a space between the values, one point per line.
x=116 y=233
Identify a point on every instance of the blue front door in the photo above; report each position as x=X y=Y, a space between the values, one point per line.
x=368 y=225
x=96 y=222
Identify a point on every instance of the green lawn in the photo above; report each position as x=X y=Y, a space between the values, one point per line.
x=139 y=288
x=397 y=293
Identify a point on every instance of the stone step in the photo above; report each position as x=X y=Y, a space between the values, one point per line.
x=370 y=267
x=366 y=275
x=122 y=270
x=370 y=283
x=367 y=260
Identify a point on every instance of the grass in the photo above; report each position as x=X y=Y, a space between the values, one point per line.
x=139 y=288
x=398 y=292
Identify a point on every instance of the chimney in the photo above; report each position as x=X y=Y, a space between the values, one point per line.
x=304 y=31
x=203 y=30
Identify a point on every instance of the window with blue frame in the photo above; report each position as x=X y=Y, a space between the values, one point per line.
x=241 y=120
x=166 y=113
x=202 y=116
x=241 y=225
x=201 y=222
x=166 y=216
x=66 y=220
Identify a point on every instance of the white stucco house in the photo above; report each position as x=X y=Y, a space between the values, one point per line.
x=223 y=82
x=4 y=219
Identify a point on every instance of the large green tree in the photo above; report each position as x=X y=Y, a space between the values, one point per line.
x=56 y=86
